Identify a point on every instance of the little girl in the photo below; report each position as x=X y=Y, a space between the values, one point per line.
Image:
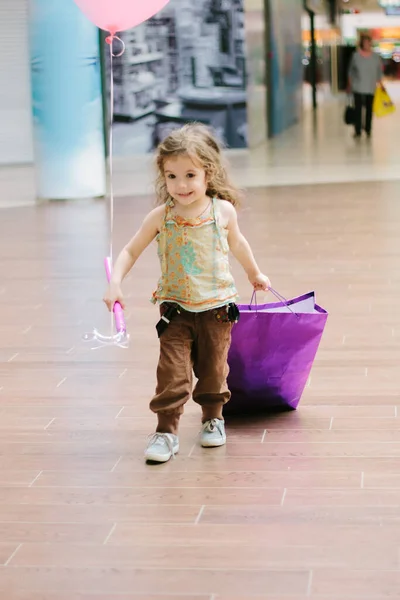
x=195 y=226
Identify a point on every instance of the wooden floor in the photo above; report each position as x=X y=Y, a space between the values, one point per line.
x=299 y=505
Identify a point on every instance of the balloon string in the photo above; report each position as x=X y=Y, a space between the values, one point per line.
x=111 y=152
x=109 y=41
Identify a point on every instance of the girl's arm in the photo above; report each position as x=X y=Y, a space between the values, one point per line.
x=241 y=250
x=129 y=255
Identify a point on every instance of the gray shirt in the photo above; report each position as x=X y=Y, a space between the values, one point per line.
x=365 y=73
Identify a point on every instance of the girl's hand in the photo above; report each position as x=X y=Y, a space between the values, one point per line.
x=113 y=294
x=260 y=282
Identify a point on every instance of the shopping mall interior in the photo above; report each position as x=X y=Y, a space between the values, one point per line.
x=299 y=503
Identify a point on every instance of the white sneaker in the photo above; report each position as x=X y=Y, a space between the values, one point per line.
x=213 y=433
x=161 y=447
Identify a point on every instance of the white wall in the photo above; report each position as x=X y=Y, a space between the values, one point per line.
x=15 y=96
x=320 y=22
x=373 y=20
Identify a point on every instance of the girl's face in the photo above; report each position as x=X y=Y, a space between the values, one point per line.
x=186 y=180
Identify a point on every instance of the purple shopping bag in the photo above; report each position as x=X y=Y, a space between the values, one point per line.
x=272 y=352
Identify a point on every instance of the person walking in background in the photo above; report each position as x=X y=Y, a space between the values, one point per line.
x=365 y=73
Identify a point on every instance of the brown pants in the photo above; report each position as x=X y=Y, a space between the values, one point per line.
x=196 y=342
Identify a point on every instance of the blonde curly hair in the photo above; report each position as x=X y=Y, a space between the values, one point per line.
x=198 y=142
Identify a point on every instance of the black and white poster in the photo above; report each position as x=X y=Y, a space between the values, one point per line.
x=188 y=63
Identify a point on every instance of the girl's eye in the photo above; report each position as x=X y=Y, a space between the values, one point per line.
x=190 y=175
x=171 y=176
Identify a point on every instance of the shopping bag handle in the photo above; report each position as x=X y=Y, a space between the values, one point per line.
x=281 y=299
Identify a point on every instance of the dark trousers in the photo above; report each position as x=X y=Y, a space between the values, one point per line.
x=360 y=101
x=199 y=343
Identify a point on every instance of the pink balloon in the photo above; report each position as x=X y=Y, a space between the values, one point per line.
x=118 y=15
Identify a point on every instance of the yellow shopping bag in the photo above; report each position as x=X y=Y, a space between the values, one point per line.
x=382 y=103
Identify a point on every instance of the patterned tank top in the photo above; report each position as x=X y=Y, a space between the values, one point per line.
x=194 y=258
